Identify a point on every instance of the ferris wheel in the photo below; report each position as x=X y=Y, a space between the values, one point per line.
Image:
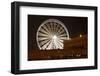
x=51 y=35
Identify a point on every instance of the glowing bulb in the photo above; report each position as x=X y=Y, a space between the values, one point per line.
x=54 y=37
x=80 y=35
x=68 y=38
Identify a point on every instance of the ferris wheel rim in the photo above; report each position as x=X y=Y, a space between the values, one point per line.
x=50 y=20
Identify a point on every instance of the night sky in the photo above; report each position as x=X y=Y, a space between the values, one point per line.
x=75 y=26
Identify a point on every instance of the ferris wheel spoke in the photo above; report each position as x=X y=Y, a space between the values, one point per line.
x=54 y=28
x=43 y=42
x=50 y=23
x=42 y=34
x=60 y=33
x=45 y=30
x=59 y=45
x=41 y=39
x=50 y=45
x=49 y=28
x=60 y=30
x=60 y=40
x=63 y=35
x=63 y=38
x=46 y=45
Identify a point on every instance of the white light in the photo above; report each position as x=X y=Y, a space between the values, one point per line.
x=68 y=38
x=80 y=35
x=54 y=37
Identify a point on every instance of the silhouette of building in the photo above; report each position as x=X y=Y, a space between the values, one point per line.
x=73 y=49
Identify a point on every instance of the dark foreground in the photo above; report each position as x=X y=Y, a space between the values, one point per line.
x=75 y=48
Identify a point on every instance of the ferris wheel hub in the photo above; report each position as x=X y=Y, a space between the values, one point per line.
x=54 y=37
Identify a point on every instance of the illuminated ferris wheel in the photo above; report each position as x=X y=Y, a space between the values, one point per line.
x=51 y=35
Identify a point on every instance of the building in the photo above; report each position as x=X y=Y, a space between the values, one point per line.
x=74 y=48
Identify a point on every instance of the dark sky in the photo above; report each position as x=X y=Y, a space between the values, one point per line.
x=75 y=26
